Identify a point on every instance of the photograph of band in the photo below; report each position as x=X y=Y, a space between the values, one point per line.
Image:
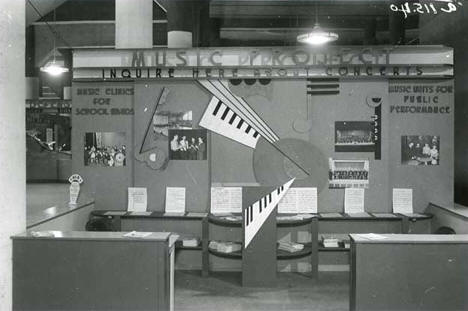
x=420 y=150
x=165 y=120
x=348 y=173
x=106 y=149
x=354 y=136
x=187 y=144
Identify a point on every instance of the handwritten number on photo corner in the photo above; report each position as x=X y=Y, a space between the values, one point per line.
x=451 y=8
x=406 y=8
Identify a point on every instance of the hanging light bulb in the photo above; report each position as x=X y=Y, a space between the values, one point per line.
x=53 y=68
x=318 y=35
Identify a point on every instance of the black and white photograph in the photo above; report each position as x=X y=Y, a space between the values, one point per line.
x=165 y=120
x=420 y=150
x=233 y=155
x=348 y=173
x=187 y=145
x=105 y=149
x=354 y=136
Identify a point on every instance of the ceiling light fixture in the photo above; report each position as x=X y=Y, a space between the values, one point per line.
x=53 y=68
x=318 y=35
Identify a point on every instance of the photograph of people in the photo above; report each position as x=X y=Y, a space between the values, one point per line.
x=105 y=149
x=187 y=145
x=354 y=136
x=420 y=150
x=192 y=149
x=201 y=153
x=174 y=147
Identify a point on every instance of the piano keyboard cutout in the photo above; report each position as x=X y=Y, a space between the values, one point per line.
x=220 y=119
x=231 y=116
x=256 y=214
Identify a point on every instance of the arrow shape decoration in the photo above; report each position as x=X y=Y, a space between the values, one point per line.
x=148 y=142
x=256 y=214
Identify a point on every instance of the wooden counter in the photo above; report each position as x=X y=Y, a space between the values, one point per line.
x=92 y=271
x=409 y=272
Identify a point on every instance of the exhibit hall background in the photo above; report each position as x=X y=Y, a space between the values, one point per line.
x=445 y=29
x=230 y=163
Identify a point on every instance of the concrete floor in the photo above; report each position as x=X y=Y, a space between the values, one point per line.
x=293 y=292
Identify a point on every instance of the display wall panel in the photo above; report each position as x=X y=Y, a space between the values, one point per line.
x=103 y=108
x=280 y=106
x=351 y=105
x=430 y=183
x=194 y=175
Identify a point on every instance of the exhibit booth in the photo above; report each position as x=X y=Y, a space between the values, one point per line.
x=376 y=118
x=264 y=160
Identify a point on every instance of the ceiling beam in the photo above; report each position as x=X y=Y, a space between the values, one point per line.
x=287 y=9
x=411 y=22
x=268 y=37
x=43 y=7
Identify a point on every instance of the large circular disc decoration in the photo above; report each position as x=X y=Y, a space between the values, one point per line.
x=271 y=167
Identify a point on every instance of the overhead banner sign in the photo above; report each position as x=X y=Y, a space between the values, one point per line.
x=281 y=62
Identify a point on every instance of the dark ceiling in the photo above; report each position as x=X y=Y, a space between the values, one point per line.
x=252 y=22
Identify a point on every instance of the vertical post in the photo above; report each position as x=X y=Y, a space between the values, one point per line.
x=32 y=77
x=117 y=222
x=180 y=23
x=12 y=138
x=134 y=24
x=209 y=27
x=314 y=260
x=404 y=224
x=397 y=26
x=259 y=265
x=205 y=241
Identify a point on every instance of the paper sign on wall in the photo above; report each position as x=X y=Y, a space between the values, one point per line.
x=175 y=200
x=137 y=199
x=299 y=200
x=402 y=201
x=354 y=200
x=226 y=200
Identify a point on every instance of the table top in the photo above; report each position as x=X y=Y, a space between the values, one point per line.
x=409 y=238
x=454 y=208
x=95 y=236
x=40 y=216
x=282 y=219
x=150 y=214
